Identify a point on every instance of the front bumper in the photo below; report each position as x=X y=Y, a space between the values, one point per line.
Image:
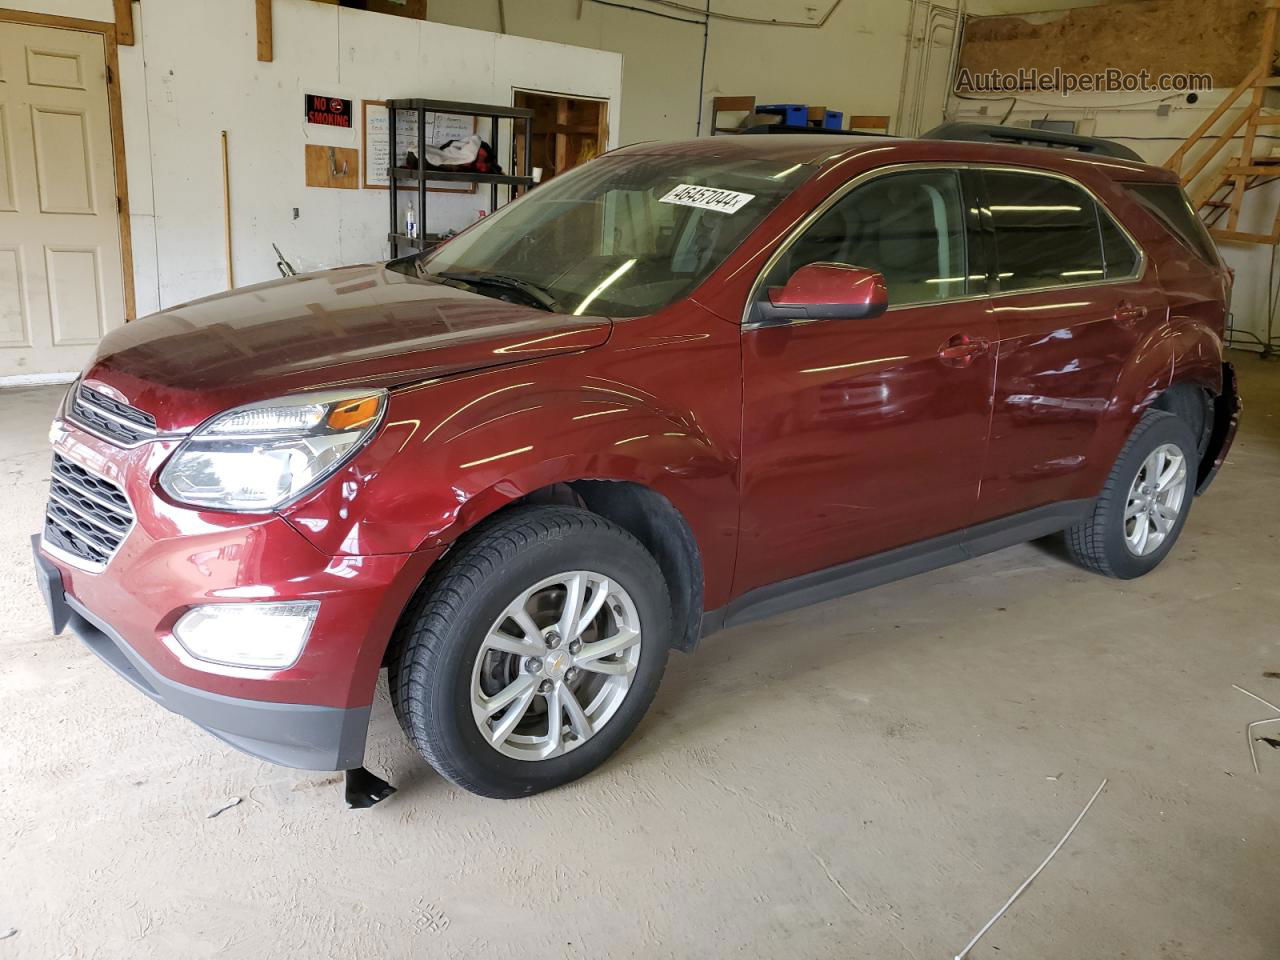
x=292 y=734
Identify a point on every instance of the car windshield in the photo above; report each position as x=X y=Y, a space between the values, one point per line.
x=620 y=236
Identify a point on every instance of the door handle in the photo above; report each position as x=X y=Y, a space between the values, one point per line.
x=1129 y=313
x=962 y=349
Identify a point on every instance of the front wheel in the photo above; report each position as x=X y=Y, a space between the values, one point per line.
x=1144 y=504
x=533 y=653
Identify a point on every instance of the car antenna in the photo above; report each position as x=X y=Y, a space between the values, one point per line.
x=284 y=266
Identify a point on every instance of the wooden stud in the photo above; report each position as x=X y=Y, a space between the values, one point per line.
x=1265 y=59
x=226 y=210
x=124 y=22
x=561 y=148
x=265 y=48
x=1237 y=236
x=1250 y=170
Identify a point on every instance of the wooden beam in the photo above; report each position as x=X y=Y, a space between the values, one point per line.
x=1251 y=170
x=264 y=31
x=1265 y=60
x=226 y=211
x=124 y=22
x=1216 y=147
x=1236 y=236
x=1174 y=162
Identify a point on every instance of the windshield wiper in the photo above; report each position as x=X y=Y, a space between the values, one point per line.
x=539 y=296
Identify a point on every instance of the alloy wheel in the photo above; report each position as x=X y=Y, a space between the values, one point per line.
x=1155 y=500
x=555 y=666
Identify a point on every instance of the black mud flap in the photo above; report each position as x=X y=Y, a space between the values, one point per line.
x=49 y=580
x=365 y=788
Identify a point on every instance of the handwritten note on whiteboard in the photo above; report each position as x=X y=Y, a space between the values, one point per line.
x=440 y=129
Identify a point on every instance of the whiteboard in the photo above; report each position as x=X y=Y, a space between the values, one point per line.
x=440 y=129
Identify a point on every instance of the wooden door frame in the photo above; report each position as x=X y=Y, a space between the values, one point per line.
x=604 y=130
x=111 y=48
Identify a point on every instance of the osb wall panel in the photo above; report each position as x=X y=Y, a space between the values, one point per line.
x=1218 y=37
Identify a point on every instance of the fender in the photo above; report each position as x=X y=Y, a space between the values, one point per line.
x=1180 y=350
x=454 y=451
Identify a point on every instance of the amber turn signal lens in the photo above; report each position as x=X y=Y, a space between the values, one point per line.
x=353 y=413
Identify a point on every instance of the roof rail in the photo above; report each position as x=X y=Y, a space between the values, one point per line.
x=1028 y=137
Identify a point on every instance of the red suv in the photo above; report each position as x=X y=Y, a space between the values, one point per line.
x=681 y=387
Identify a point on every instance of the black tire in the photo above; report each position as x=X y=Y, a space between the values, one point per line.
x=440 y=636
x=1098 y=541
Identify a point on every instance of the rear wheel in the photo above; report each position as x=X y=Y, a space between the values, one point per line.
x=1144 y=504
x=533 y=653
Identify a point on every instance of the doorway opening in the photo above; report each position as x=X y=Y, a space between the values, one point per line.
x=567 y=131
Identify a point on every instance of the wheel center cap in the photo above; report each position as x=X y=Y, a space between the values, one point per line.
x=557 y=664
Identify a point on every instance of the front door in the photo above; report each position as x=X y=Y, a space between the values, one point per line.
x=864 y=435
x=61 y=284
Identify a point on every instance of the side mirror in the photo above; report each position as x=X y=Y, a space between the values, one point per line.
x=828 y=291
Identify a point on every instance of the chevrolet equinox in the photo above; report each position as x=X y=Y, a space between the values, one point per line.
x=680 y=387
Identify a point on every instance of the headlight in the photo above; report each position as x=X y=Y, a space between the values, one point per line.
x=262 y=635
x=257 y=457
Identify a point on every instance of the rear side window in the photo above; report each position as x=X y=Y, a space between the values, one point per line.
x=1046 y=231
x=1172 y=208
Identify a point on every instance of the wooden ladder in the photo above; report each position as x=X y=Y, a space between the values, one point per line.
x=1223 y=193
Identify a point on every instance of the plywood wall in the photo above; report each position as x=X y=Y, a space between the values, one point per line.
x=1218 y=37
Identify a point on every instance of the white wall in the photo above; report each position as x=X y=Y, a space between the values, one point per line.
x=194 y=72
x=1133 y=120
x=853 y=64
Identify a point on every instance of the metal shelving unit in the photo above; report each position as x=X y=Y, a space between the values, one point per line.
x=421 y=176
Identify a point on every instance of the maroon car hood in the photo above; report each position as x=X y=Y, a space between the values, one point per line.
x=357 y=326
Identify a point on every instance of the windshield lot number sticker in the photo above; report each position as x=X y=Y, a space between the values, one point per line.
x=708 y=198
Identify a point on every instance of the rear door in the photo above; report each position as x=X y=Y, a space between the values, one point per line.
x=863 y=435
x=1074 y=297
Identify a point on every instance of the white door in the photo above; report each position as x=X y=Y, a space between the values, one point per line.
x=61 y=285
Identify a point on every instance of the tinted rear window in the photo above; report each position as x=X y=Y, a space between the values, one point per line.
x=1172 y=208
x=1046 y=231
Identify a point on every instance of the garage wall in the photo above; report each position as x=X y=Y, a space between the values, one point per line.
x=854 y=63
x=194 y=72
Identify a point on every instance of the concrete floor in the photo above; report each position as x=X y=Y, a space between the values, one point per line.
x=868 y=778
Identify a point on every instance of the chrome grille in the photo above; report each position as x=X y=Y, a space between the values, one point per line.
x=111 y=419
x=87 y=516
